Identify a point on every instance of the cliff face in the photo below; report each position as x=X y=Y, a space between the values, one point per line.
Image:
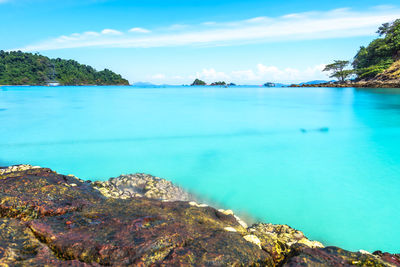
x=392 y=74
x=390 y=78
x=49 y=219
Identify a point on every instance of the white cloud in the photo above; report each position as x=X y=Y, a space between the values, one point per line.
x=175 y=27
x=263 y=73
x=257 y=19
x=139 y=30
x=212 y=75
x=209 y=23
x=245 y=75
x=111 y=31
x=260 y=74
x=159 y=76
x=336 y=23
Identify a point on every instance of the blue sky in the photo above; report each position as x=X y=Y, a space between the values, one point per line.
x=247 y=42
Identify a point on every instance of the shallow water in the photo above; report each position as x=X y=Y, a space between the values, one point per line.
x=242 y=148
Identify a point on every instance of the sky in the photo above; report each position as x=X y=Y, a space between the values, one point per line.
x=177 y=41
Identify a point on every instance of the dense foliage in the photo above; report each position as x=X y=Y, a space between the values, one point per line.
x=198 y=82
x=218 y=84
x=18 y=68
x=380 y=53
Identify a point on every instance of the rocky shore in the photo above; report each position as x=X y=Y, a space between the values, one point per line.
x=49 y=219
x=360 y=84
x=390 y=78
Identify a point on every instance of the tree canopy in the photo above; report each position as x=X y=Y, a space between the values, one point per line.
x=380 y=53
x=18 y=68
x=338 y=70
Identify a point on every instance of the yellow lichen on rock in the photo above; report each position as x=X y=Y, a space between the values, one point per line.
x=277 y=240
x=253 y=239
x=230 y=229
x=391 y=74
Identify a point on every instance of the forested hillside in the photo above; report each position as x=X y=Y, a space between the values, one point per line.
x=18 y=68
x=380 y=54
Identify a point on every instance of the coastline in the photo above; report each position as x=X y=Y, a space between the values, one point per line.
x=62 y=85
x=361 y=84
x=139 y=219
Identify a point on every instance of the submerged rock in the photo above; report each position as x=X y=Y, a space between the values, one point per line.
x=49 y=219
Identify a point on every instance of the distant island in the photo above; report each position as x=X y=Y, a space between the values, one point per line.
x=218 y=84
x=198 y=82
x=19 y=68
x=269 y=84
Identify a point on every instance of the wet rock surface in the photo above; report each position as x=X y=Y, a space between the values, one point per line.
x=38 y=192
x=20 y=247
x=146 y=231
x=49 y=219
x=332 y=256
x=277 y=240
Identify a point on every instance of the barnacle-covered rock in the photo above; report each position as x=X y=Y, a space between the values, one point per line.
x=142 y=185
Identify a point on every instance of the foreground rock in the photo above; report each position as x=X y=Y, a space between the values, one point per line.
x=57 y=220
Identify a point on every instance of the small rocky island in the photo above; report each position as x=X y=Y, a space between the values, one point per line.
x=50 y=219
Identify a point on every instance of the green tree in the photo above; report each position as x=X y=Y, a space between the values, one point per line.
x=198 y=82
x=380 y=53
x=338 y=70
x=391 y=35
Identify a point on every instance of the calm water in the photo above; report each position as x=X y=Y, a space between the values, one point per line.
x=241 y=148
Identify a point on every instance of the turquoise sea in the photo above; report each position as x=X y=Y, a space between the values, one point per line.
x=241 y=148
